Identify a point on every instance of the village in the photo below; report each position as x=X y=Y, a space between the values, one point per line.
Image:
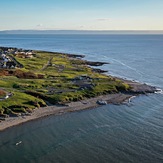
x=7 y=57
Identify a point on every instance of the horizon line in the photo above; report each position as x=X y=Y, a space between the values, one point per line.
x=81 y=30
x=71 y=31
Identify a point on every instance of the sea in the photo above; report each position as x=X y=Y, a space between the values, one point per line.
x=128 y=133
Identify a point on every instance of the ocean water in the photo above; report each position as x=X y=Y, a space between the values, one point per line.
x=110 y=134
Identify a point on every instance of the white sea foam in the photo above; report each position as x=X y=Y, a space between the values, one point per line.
x=129 y=67
x=129 y=100
x=159 y=91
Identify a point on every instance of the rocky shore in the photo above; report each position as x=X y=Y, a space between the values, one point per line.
x=119 y=90
x=117 y=99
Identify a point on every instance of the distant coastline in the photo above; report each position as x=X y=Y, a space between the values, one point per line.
x=104 y=32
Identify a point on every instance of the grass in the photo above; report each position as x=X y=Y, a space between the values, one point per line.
x=19 y=100
x=55 y=86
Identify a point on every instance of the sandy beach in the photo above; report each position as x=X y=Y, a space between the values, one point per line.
x=58 y=110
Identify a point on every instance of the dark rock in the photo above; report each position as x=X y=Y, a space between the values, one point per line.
x=99 y=70
x=92 y=63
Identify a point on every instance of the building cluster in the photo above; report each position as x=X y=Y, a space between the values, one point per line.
x=24 y=54
x=7 y=59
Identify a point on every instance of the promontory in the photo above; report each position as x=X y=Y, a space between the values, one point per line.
x=36 y=83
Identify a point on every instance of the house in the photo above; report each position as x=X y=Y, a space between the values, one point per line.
x=83 y=78
x=10 y=64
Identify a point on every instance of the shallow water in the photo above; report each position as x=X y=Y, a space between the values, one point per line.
x=112 y=133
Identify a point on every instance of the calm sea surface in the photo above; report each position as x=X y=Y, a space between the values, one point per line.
x=110 y=134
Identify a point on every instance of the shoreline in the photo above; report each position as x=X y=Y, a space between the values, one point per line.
x=91 y=103
x=38 y=113
x=112 y=98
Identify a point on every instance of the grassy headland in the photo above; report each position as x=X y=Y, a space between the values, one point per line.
x=48 y=78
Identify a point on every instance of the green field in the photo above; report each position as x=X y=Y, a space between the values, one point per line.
x=52 y=78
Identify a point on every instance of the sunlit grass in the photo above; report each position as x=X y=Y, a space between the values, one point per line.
x=56 y=84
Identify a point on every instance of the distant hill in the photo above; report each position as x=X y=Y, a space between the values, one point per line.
x=78 y=32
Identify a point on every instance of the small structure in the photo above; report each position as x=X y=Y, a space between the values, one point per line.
x=10 y=64
x=101 y=102
x=87 y=86
x=83 y=78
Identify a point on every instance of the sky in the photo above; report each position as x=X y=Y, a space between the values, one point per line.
x=81 y=14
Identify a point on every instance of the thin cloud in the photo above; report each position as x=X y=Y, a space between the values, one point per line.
x=39 y=25
x=103 y=19
x=82 y=26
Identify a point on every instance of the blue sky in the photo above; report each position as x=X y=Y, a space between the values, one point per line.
x=81 y=14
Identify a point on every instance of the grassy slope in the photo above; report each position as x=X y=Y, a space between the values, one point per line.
x=31 y=93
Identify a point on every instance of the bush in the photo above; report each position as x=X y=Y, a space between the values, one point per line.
x=15 y=85
x=123 y=87
x=19 y=110
x=2 y=93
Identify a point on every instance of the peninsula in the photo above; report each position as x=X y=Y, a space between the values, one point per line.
x=35 y=84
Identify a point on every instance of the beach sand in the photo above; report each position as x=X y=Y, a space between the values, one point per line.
x=118 y=98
